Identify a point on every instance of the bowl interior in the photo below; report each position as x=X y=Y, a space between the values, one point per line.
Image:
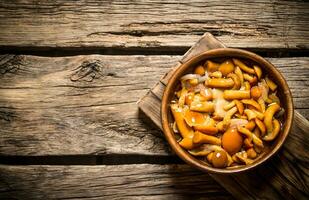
x=219 y=55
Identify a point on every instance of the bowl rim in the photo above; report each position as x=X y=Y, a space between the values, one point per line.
x=221 y=52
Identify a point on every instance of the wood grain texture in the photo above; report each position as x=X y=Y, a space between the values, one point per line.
x=87 y=104
x=142 y=181
x=160 y=25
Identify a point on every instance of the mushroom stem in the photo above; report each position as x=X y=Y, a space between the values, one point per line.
x=184 y=129
x=200 y=138
x=261 y=126
x=228 y=115
x=243 y=66
x=187 y=143
x=237 y=83
x=252 y=103
x=268 y=116
x=257 y=141
x=274 y=133
x=207 y=129
x=246 y=132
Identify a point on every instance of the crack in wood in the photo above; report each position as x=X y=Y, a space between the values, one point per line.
x=216 y=28
x=156 y=49
x=108 y=159
x=193 y=27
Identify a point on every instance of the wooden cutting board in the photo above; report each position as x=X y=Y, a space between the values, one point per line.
x=284 y=176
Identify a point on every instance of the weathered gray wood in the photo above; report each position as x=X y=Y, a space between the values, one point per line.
x=160 y=25
x=45 y=107
x=301 y=122
x=46 y=110
x=304 y=112
x=142 y=181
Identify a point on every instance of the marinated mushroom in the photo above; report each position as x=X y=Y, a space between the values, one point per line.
x=232 y=141
x=219 y=159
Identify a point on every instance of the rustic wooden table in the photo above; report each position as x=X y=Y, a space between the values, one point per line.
x=71 y=73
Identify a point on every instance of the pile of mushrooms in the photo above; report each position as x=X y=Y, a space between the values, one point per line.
x=225 y=112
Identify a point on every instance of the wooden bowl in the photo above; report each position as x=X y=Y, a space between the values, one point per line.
x=283 y=93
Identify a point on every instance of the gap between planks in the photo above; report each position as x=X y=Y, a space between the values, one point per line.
x=109 y=159
x=172 y=51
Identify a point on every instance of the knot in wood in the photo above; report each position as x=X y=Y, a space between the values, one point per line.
x=6 y=116
x=10 y=64
x=88 y=71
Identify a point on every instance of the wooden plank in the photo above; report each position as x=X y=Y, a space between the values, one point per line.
x=142 y=181
x=159 y=25
x=304 y=112
x=45 y=110
x=149 y=104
